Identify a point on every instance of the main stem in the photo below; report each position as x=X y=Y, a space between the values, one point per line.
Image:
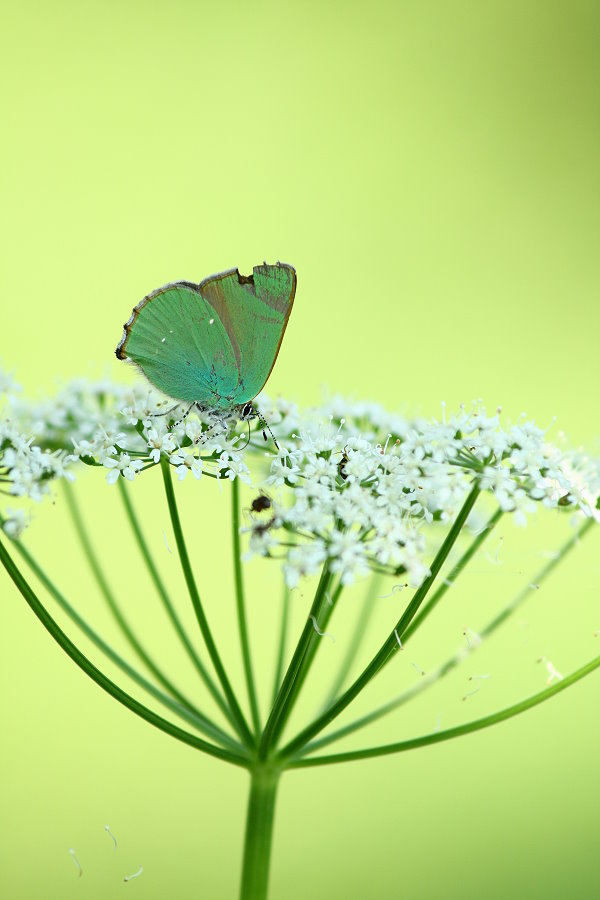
x=259 y=832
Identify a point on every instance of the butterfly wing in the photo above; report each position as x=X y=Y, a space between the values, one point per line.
x=182 y=347
x=254 y=311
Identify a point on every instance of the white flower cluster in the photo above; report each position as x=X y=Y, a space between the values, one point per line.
x=102 y=424
x=348 y=482
x=365 y=483
x=27 y=470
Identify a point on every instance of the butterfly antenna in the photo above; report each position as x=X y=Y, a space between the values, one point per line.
x=165 y=413
x=264 y=425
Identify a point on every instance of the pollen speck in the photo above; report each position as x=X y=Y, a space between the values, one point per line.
x=211 y=322
x=162 y=340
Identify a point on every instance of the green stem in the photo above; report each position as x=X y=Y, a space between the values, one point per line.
x=287 y=694
x=167 y=603
x=114 y=606
x=283 y=629
x=471 y=550
x=454 y=661
x=360 y=628
x=101 y=679
x=538 y=578
x=259 y=833
x=377 y=713
x=325 y=613
x=241 y=606
x=439 y=736
x=201 y=722
x=240 y=722
x=390 y=646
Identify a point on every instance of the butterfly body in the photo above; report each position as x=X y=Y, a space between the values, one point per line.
x=212 y=344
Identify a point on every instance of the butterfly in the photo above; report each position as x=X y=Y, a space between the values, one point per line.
x=212 y=345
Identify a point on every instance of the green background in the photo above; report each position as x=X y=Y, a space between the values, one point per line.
x=431 y=169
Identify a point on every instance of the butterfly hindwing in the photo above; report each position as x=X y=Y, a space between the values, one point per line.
x=254 y=312
x=181 y=346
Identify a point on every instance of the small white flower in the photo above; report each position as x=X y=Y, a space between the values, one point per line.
x=522 y=504
x=283 y=469
x=103 y=443
x=304 y=559
x=185 y=463
x=501 y=481
x=122 y=464
x=318 y=468
x=234 y=466
x=150 y=407
x=160 y=442
x=261 y=542
x=7 y=383
x=361 y=464
x=347 y=554
x=15 y=523
x=193 y=429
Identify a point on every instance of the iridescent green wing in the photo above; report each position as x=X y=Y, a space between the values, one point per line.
x=181 y=346
x=254 y=311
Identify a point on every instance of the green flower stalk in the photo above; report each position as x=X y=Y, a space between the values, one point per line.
x=349 y=494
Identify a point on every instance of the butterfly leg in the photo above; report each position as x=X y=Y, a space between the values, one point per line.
x=184 y=416
x=217 y=423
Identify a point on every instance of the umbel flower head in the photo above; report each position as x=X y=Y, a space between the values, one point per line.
x=348 y=482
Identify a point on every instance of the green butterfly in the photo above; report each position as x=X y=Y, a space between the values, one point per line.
x=212 y=345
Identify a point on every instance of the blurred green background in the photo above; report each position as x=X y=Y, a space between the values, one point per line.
x=431 y=169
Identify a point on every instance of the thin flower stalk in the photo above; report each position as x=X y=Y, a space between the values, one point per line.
x=115 y=608
x=281 y=643
x=30 y=597
x=463 y=654
x=320 y=623
x=438 y=737
x=358 y=634
x=240 y=721
x=390 y=646
x=287 y=694
x=201 y=722
x=168 y=604
x=241 y=606
x=538 y=578
x=450 y=580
